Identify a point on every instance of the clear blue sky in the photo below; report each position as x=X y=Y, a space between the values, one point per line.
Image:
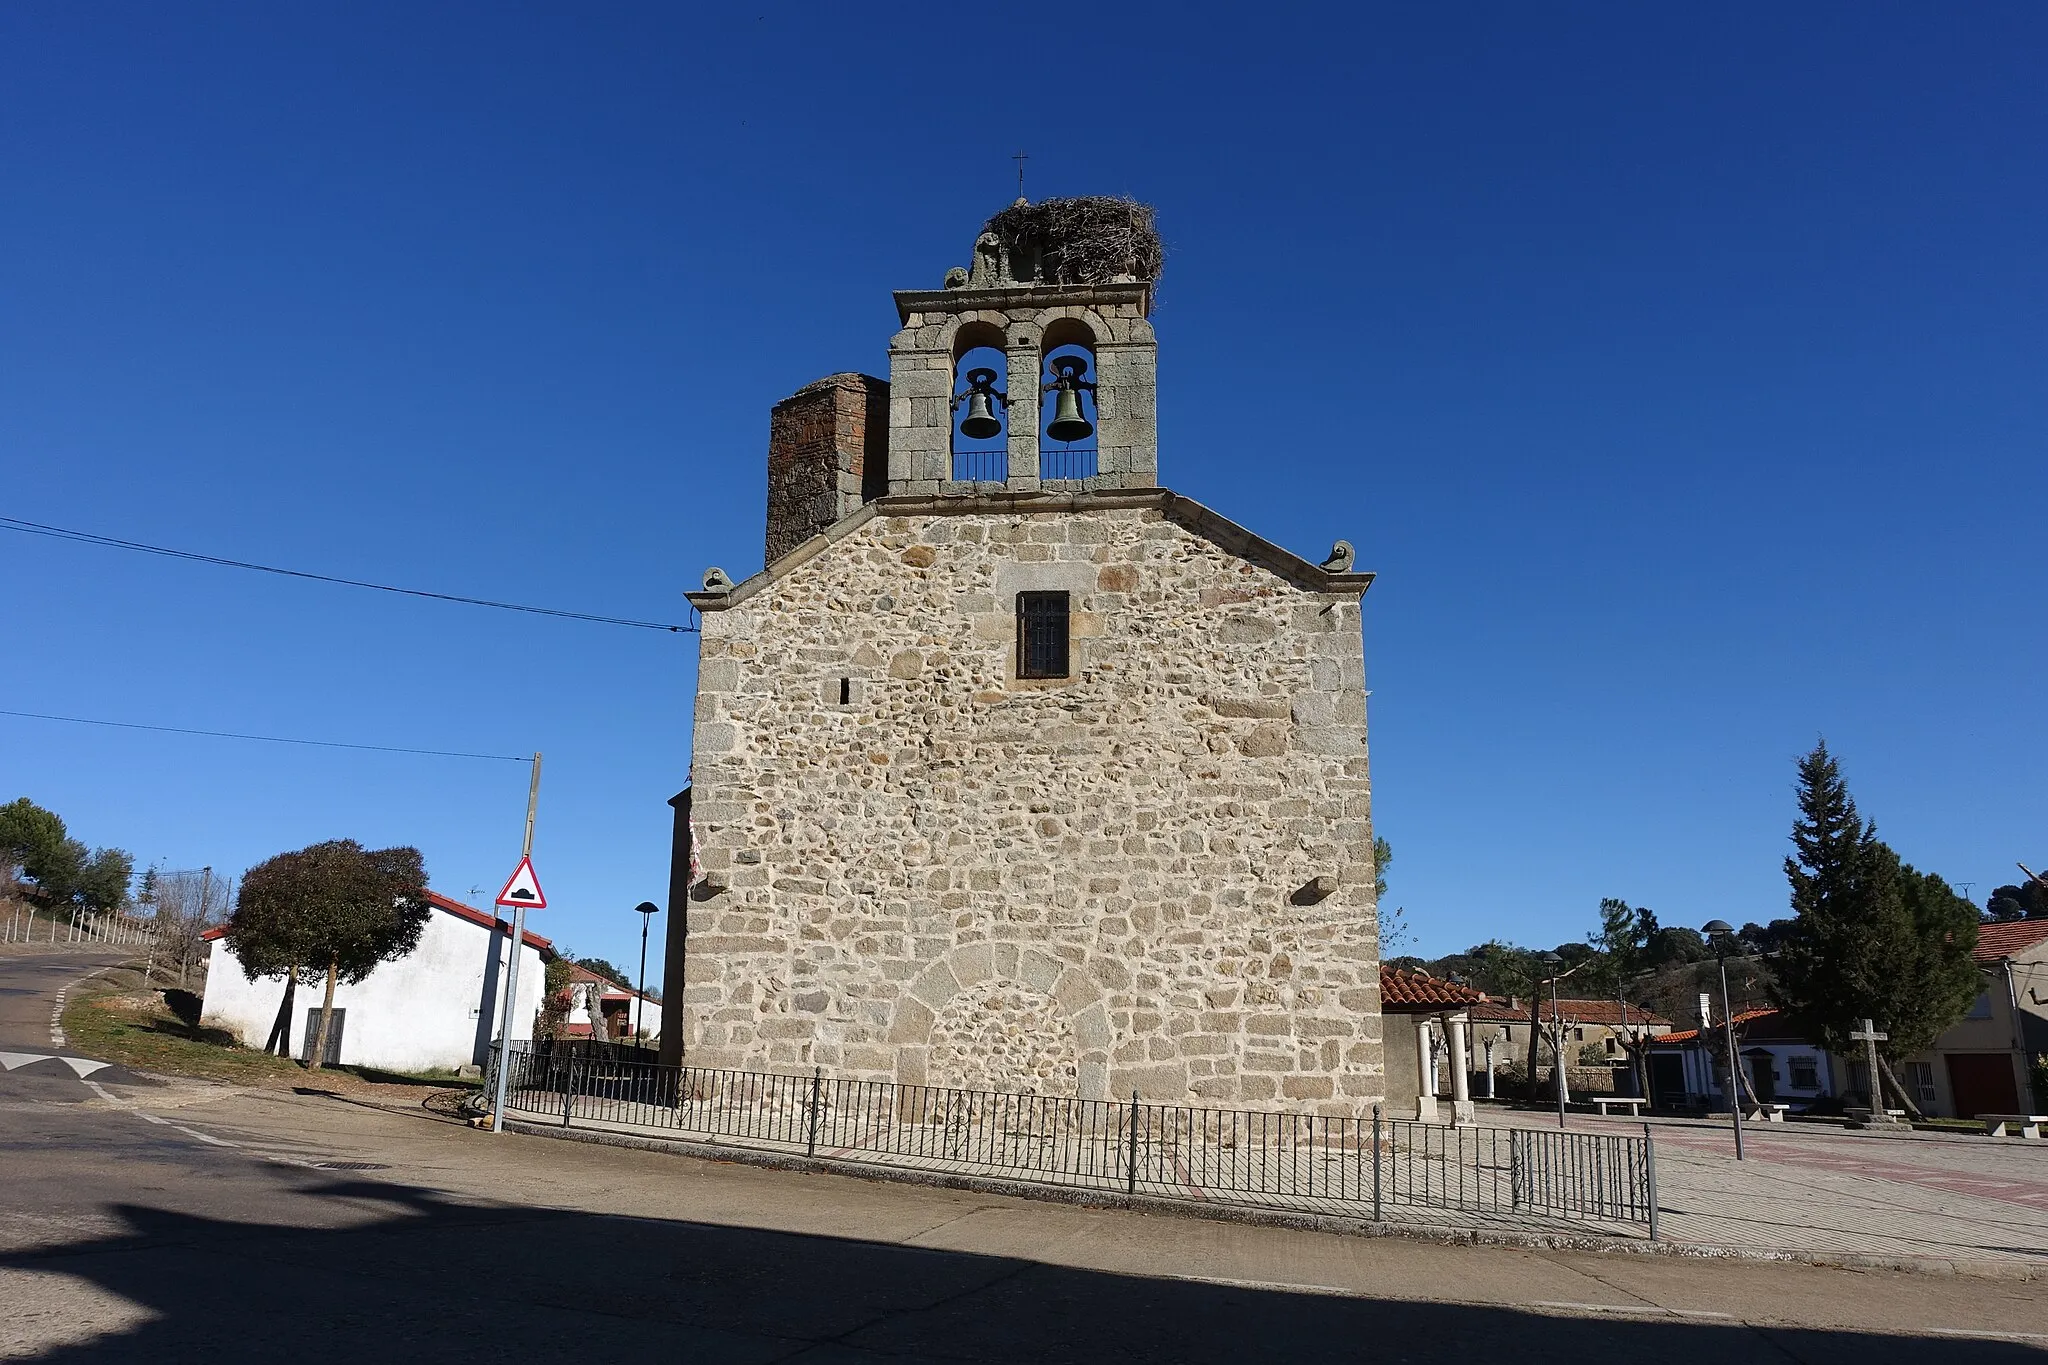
x=1681 y=373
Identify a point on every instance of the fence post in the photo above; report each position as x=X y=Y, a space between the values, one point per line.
x=569 y=1090
x=1376 y=1163
x=1514 y=1168
x=1650 y=1176
x=817 y=1082
x=1131 y=1163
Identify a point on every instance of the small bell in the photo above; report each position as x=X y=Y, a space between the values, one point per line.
x=1067 y=422
x=981 y=422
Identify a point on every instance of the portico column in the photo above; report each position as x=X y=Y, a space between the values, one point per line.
x=1425 y=1073
x=1461 y=1079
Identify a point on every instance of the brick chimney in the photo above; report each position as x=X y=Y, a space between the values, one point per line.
x=828 y=452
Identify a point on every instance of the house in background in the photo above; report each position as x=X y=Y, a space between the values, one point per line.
x=1980 y=1065
x=1688 y=1068
x=1983 y=1064
x=436 y=1008
x=590 y=990
x=1607 y=1025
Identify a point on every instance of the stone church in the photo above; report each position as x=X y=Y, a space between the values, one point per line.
x=1013 y=769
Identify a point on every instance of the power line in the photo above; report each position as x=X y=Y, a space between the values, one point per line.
x=267 y=739
x=36 y=528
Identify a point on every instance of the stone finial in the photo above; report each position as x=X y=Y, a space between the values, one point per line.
x=956 y=278
x=717 y=580
x=1341 y=558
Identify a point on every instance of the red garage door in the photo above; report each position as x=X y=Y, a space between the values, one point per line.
x=1982 y=1084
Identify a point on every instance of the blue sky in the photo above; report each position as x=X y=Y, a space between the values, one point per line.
x=1680 y=373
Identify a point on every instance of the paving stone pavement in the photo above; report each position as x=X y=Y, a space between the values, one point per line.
x=1810 y=1189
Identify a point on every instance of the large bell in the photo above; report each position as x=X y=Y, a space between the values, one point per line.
x=1067 y=422
x=980 y=423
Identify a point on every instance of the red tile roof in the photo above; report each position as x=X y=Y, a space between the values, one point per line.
x=1606 y=1012
x=1742 y=1020
x=1402 y=990
x=457 y=909
x=1995 y=941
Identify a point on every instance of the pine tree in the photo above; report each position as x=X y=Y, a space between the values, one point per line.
x=1870 y=936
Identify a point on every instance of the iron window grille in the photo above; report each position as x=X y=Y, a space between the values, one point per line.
x=1042 y=635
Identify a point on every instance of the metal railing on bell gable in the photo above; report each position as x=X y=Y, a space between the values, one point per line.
x=1373 y=1166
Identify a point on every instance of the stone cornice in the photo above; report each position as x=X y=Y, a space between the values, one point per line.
x=1186 y=512
x=1009 y=296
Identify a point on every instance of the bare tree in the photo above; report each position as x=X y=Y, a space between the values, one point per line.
x=184 y=905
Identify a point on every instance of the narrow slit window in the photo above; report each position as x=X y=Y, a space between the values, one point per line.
x=1042 y=635
x=846 y=691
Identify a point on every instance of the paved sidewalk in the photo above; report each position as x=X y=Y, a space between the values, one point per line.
x=1826 y=1193
x=1807 y=1189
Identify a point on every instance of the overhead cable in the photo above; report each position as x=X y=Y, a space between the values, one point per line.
x=268 y=739
x=36 y=528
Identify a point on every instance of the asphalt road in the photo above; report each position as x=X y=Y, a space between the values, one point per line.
x=179 y=1221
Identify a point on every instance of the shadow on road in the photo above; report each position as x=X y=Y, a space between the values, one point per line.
x=412 y=1276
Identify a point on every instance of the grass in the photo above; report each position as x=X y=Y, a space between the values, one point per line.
x=117 y=1019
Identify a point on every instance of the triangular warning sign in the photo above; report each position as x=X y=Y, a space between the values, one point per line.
x=523 y=889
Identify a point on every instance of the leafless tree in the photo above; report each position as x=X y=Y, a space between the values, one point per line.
x=183 y=906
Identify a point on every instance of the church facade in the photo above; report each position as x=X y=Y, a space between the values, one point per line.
x=1012 y=769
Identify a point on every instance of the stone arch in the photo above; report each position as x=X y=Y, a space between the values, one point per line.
x=1075 y=998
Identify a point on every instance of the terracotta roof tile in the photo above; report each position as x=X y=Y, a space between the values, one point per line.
x=1606 y=1012
x=1689 y=1035
x=1401 y=989
x=1995 y=941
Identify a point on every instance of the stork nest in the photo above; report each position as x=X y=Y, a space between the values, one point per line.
x=1089 y=240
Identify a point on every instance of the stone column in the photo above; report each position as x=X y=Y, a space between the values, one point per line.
x=1425 y=1073
x=1461 y=1077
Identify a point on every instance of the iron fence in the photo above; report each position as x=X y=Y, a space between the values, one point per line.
x=1067 y=463
x=1305 y=1162
x=981 y=466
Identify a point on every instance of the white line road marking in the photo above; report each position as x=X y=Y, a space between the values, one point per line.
x=194 y=1132
x=57 y=1010
x=83 y=1068
x=120 y=1103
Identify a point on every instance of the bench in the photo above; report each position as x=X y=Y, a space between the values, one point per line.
x=1632 y=1103
x=2028 y=1124
x=1766 y=1113
x=1875 y=1118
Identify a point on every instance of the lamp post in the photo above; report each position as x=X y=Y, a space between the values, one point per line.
x=1719 y=930
x=647 y=911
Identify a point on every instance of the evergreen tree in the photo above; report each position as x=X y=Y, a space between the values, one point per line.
x=335 y=910
x=1870 y=937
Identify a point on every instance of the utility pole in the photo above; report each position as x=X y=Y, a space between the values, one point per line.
x=512 y=972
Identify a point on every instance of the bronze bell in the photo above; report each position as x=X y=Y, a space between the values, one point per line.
x=981 y=422
x=1067 y=422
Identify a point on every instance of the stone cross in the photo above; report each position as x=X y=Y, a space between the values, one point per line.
x=1870 y=1038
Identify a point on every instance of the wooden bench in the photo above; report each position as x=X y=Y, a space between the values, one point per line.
x=1766 y=1113
x=2028 y=1124
x=1632 y=1103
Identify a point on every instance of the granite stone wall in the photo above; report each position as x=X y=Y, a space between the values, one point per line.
x=1154 y=875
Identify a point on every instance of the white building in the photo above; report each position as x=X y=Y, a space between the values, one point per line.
x=435 y=1008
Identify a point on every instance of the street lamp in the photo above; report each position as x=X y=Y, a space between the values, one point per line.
x=647 y=911
x=1720 y=931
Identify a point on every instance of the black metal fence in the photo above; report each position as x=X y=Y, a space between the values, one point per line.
x=1277 y=1160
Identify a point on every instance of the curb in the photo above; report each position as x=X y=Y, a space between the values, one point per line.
x=1275 y=1218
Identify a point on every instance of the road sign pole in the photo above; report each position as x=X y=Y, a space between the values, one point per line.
x=512 y=972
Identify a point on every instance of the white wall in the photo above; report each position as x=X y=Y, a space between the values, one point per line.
x=436 y=1008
